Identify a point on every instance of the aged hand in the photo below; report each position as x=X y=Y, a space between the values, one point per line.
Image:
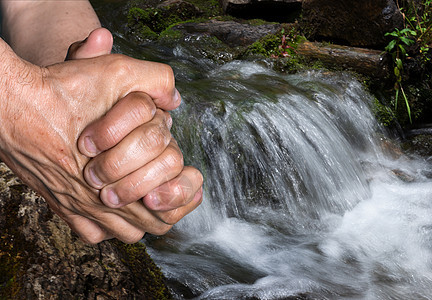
x=48 y=109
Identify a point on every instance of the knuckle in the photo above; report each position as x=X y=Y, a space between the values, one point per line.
x=167 y=77
x=118 y=64
x=141 y=109
x=154 y=137
x=110 y=167
x=174 y=159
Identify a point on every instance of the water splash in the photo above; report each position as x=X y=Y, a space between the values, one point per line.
x=299 y=198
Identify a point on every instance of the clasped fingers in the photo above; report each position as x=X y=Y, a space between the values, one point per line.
x=141 y=146
x=144 y=179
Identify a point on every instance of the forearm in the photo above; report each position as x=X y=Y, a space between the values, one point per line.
x=41 y=31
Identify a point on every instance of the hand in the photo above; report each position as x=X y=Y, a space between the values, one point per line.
x=164 y=200
x=109 y=130
x=41 y=125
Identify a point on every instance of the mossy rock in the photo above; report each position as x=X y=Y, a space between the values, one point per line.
x=149 y=23
x=419 y=144
x=41 y=258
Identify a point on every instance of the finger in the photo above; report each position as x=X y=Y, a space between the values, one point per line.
x=129 y=113
x=137 y=149
x=161 y=89
x=88 y=231
x=120 y=228
x=130 y=223
x=176 y=192
x=99 y=42
x=139 y=183
x=155 y=79
x=173 y=216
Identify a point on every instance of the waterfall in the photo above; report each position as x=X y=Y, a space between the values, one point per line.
x=300 y=199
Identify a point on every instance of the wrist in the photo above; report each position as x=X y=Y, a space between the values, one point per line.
x=17 y=79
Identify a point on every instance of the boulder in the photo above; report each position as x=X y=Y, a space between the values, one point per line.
x=419 y=142
x=351 y=22
x=270 y=10
x=40 y=258
x=230 y=32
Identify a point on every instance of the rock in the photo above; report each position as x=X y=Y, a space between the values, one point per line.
x=230 y=32
x=271 y=10
x=361 y=60
x=419 y=142
x=40 y=258
x=351 y=22
x=163 y=16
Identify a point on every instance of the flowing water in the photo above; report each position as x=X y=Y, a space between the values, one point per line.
x=300 y=202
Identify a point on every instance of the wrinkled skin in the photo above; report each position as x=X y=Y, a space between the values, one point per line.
x=48 y=109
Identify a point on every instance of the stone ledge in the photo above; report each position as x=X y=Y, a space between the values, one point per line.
x=40 y=257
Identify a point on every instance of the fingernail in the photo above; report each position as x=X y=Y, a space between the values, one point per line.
x=154 y=199
x=198 y=195
x=169 y=121
x=94 y=179
x=90 y=145
x=112 y=198
x=176 y=97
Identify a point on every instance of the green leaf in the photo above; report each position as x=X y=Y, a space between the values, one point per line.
x=396 y=72
x=390 y=46
x=407 y=104
x=392 y=34
x=402 y=48
x=406 y=41
x=399 y=63
x=396 y=98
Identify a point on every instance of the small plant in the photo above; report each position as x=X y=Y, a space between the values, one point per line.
x=415 y=40
x=285 y=49
x=419 y=19
x=278 y=45
x=397 y=47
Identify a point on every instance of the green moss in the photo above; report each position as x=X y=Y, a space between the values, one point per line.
x=282 y=44
x=156 y=20
x=383 y=113
x=258 y=22
x=150 y=23
x=210 y=8
x=266 y=46
x=146 y=33
x=145 y=272
x=170 y=34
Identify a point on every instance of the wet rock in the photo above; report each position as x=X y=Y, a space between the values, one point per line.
x=419 y=142
x=40 y=258
x=150 y=22
x=404 y=176
x=271 y=10
x=230 y=32
x=350 y=22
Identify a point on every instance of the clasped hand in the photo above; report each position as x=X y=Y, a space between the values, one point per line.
x=93 y=138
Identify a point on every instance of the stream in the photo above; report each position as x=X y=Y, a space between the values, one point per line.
x=300 y=199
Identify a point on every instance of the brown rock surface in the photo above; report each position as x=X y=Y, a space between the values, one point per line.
x=40 y=258
x=230 y=32
x=273 y=10
x=350 y=22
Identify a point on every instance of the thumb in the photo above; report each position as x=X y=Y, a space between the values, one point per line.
x=99 y=42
